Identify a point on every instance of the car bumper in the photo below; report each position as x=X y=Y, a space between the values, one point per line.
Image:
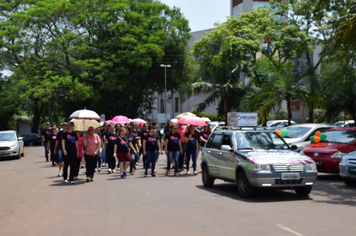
x=275 y=180
x=347 y=171
x=9 y=153
x=327 y=164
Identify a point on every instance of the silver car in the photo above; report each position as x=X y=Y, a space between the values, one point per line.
x=299 y=134
x=255 y=159
x=347 y=167
x=11 y=144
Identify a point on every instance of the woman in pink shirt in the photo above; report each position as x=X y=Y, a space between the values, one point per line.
x=92 y=144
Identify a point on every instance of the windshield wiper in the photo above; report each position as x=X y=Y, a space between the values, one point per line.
x=245 y=148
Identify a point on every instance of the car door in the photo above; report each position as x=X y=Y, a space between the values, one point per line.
x=212 y=151
x=226 y=158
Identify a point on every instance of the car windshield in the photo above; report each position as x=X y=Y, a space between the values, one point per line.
x=340 y=136
x=7 y=137
x=296 y=132
x=259 y=140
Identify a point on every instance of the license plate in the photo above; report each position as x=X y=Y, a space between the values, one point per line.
x=318 y=163
x=290 y=176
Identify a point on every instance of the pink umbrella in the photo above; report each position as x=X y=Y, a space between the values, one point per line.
x=120 y=119
x=110 y=121
x=191 y=120
x=139 y=120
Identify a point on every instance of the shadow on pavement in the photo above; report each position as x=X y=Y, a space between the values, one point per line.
x=261 y=195
x=330 y=188
x=59 y=183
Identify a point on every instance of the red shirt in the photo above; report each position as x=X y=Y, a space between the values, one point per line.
x=181 y=131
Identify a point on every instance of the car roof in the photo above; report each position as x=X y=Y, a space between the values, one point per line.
x=310 y=125
x=224 y=129
x=8 y=131
x=342 y=128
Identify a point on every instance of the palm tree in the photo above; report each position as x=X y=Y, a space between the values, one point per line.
x=217 y=77
x=279 y=87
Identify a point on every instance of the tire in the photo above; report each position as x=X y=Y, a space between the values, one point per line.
x=303 y=191
x=244 y=188
x=349 y=182
x=208 y=181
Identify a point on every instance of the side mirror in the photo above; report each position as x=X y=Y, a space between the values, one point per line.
x=20 y=138
x=226 y=147
x=293 y=147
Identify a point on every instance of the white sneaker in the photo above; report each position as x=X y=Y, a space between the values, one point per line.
x=113 y=171
x=109 y=171
x=71 y=182
x=59 y=173
x=65 y=181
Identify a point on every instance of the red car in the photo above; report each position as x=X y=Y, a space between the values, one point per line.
x=328 y=153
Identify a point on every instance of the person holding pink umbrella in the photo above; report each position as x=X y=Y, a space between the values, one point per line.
x=192 y=141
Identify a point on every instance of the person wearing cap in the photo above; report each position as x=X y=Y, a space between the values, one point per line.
x=51 y=145
x=70 y=152
x=46 y=134
x=58 y=147
x=92 y=144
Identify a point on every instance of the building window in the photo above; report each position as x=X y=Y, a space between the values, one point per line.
x=176 y=104
x=236 y=2
x=295 y=106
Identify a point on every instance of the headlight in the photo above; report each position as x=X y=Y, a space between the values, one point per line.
x=338 y=155
x=262 y=168
x=13 y=146
x=301 y=152
x=343 y=160
x=310 y=167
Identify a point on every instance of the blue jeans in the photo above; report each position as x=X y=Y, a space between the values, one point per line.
x=60 y=154
x=173 y=155
x=46 y=151
x=151 y=159
x=192 y=153
x=132 y=162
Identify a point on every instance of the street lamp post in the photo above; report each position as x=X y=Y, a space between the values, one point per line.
x=165 y=89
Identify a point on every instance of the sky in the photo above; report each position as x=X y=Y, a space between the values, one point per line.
x=202 y=14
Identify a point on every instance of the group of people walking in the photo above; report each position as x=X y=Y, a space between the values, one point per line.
x=120 y=147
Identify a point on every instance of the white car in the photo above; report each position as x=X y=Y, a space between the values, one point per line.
x=346 y=123
x=279 y=123
x=11 y=144
x=299 y=134
x=347 y=167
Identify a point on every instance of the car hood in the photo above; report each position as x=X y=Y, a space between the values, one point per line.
x=7 y=143
x=277 y=157
x=325 y=147
x=293 y=140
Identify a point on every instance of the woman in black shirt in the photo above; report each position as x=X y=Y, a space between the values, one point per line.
x=173 y=148
x=151 y=145
x=192 y=141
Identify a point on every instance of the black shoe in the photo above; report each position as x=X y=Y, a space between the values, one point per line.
x=153 y=175
x=131 y=172
x=146 y=173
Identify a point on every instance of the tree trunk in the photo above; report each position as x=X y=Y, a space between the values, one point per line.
x=225 y=110
x=37 y=111
x=289 y=110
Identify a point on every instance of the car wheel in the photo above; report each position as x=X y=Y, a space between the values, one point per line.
x=303 y=191
x=349 y=182
x=207 y=180
x=244 y=187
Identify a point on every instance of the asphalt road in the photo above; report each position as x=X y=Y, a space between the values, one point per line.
x=34 y=201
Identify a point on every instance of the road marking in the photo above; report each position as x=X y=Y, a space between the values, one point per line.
x=289 y=230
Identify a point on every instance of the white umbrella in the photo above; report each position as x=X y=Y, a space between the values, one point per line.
x=174 y=121
x=84 y=114
x=84 y=124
